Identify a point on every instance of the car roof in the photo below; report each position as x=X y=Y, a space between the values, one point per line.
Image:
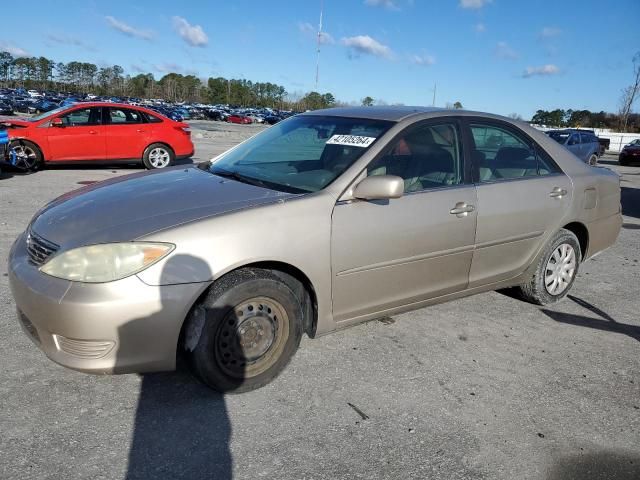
x=399 y=113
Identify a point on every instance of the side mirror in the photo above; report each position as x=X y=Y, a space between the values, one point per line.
x=57 y=122
x=379 y=187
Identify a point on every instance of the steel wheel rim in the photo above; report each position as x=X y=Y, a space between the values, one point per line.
x=560 y=269
x=159 y=157
x=26 y=157
x=251 y=337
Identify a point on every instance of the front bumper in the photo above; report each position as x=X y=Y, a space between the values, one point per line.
x=117 y=327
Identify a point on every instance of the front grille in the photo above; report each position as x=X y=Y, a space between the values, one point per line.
x=28 y=326
x=39 y=249
x=83 y=348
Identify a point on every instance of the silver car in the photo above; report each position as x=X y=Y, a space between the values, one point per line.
x=325 y=220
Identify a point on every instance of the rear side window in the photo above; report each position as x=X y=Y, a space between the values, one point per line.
x=588 y=138
x=152 y=118
x=124 y=115
x=502 y=154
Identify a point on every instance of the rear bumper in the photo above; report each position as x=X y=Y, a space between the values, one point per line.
x=117 y=327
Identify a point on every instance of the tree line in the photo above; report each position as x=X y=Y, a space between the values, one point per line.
x=82 y=77
x=585 y=118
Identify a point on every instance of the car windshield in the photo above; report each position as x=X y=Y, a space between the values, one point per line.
x=560 y=137
x=44 y=115
x=302 y=154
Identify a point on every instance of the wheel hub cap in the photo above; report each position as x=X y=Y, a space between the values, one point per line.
x=159 y=157
x=560 y=269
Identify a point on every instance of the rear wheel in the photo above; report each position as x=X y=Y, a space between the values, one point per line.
x=593 y=159
x=556 y=270
x=158 y=155
x=28 y=155
x=251 y=328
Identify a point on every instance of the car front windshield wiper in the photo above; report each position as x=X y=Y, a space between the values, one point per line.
x=256 y=181
x=238 y=177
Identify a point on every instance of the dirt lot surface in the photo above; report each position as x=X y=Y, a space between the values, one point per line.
x=484 y=387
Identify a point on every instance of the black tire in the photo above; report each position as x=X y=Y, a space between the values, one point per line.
x=536 y=290
x=151 y=159
x=248 y=305
x=623 y=161
x=29 y=156
x=593 y=160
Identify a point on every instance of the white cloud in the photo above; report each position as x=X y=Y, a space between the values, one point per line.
x=543 y=70
x=169 y=67
x=69 y=40
x=364 y=44
x=474 y=4
x=390 y=4
x=548 y=32
x=503 y=50
x=13 y=50
x=310 y=31
x=192 y=34
x=138 y=68
x=128 y=29
x=480 y=27
x=423 y=60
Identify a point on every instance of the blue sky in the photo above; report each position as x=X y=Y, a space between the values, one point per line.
x=502 y=56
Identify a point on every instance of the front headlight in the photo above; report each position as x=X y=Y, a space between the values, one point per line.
x=105 y=262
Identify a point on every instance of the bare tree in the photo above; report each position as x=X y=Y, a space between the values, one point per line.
x=630 y=94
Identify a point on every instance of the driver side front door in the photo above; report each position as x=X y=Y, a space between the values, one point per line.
x=392 y=253
x=80 y=137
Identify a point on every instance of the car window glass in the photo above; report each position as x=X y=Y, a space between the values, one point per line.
x=426 y=157
x=302 y=154
x=84 y=116
x=501 y=154
x=153 y=118
x=574 y=139
x=124 y=115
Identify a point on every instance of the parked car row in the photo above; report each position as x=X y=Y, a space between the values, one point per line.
x=34 y=102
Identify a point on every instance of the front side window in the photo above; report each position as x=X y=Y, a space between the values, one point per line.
x=501 y=154
x=124 y=115
x=302 y=154
x=82 y=117
x=425 y=157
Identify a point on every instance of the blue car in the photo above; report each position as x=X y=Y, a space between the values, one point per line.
x=582 y=143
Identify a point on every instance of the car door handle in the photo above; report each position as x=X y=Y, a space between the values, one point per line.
x=558 y=192
x=462 y=209
x=93 y=132
x=140 y=130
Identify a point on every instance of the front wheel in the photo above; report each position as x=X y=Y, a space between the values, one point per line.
x=157 y=155
x=249 y=329
x=593 y=160
x=28 y=156
x=556 y=270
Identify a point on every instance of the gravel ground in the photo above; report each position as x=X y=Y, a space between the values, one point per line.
x=484 y=387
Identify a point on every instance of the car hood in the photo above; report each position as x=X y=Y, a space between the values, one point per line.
x=126 y=208
x=17 y=122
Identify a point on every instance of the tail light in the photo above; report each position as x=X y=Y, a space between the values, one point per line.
x=185 y=130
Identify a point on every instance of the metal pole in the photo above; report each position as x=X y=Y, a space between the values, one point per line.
x=318 y=44
x=434 y=95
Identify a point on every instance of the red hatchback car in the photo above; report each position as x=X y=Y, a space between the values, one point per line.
x=107 y=132
x=241 y=119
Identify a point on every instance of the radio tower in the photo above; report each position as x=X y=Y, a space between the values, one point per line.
x=318 y=45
